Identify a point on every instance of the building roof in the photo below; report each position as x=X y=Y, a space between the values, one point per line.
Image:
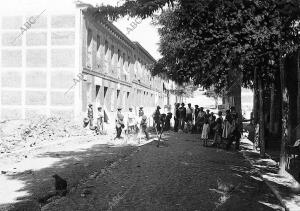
x=110 y=26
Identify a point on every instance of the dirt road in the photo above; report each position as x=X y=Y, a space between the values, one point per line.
x=179 y=175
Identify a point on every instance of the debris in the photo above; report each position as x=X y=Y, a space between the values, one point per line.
x=3 y=172
x=17 y=134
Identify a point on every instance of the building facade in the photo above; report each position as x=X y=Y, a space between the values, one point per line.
x=56 y=61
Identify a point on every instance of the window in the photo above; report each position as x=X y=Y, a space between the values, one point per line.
x=128 y=59
x=112 y=51
x=119 y=55
x=123 y=58
x=98 y=42
x=106 y=46
x=98 y=52
x=105 y=91
x=97 y=90
x=89 y=48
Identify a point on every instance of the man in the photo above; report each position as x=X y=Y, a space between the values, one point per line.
x=218 y=129
x=156 y=118
x=168 y=121
x=141 y=111
x=90 y=115
x=189 y=117
x=197 y=110
x=100 y=120
x=182 y=116
x=236 y=129
x=131 y=121
x=207 y=114
x=200 y=119
x=143 y=126
x=119 y=122
x=176 y=117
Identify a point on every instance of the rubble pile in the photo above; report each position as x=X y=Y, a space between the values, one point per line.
x=21 y=133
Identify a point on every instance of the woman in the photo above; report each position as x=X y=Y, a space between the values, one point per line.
x=205 y=132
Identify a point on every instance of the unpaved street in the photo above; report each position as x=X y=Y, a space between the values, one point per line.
x=179 y=175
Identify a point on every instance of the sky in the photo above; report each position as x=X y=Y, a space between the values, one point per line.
x=144 y=33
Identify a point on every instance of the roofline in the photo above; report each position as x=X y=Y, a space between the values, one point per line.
x=144 y=50
x=114 y=29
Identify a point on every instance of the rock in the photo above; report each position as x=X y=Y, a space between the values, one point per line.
x=3 y=172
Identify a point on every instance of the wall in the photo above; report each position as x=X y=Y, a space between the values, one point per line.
x=38 y=66
x=116 y=73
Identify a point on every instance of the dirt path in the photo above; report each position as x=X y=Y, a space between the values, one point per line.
x=26 y=175
x=179 y=175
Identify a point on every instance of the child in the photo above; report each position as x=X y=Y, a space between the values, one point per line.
x=218 y=130
x=100 y=121
x=205 y=131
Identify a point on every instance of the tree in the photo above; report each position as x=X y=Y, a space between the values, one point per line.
x=202 y=40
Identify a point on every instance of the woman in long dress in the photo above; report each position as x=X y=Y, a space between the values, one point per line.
x=205 y=132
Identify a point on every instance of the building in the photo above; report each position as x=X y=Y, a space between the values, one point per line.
x=55 y=61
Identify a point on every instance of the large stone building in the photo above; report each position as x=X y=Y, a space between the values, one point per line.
x=57 y=60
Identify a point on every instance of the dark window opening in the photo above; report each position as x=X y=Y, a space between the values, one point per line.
x=105 y=91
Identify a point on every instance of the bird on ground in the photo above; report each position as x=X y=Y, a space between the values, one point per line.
x=60 y=185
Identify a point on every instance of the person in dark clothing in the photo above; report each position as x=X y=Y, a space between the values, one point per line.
x=236 y=131
x=168 y=119
x=200 y=120
x=143 y=126
x=90 y=115
x=218 y=130
x=182 y=116
x=119 y=123
x=176 y=117
x=157 y=119
x=197 y=110
x=207 y=115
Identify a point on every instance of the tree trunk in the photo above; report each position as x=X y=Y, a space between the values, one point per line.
x=285 y=111
x=272 y=109
x=298 y=98
x=255 y=99
x=261 y=116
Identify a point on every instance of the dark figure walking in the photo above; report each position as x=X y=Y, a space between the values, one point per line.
x=168 y=121
x=176 y=117
x=91 y=115
x=182 y=116
x=236 y=131
x=119 y=123
x=156 y=118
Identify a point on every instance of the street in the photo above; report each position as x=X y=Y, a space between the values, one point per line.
x=181 y=174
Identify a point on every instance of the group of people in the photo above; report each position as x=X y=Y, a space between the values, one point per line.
x=188 y=119
x=218 y=129
x=129 y=122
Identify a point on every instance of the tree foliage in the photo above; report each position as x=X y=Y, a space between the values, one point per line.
x=207 y=40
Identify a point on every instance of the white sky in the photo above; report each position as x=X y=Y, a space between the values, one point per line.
x=144 y=33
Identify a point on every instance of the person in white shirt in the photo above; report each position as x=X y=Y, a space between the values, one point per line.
x=131 y=121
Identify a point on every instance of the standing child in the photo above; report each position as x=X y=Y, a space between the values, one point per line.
x=100 y=121
x=205 y=131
